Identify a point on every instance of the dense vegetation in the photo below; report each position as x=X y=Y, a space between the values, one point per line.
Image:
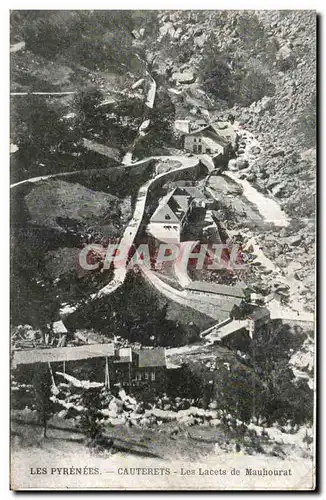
x=235 y=76
x=134 y=313
x=95 y=39
x=261 y=387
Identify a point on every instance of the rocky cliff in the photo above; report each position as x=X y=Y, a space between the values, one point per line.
x=270 y=74
x=260 y=67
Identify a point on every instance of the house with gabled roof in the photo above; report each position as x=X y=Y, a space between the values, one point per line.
x=150 y=365
x=136 y=367
x=170 y=216
x=218 y=139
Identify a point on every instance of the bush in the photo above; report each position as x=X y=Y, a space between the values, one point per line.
x=252 y=86
x=230 y=80
x=216 y=75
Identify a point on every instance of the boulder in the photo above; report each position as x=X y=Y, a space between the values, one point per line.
x=115 y=405
x=166 y=416
x=177 y=34
x=294 y=241
x=277 y=190
x=255 y=150
x=198 y=31
x=241 y=163
x=215 y=422
x=265 y=104
x=211 y=413
x=145 y=422
x=281 y=261
x=135 y=417
x=118 y=421
x=186 y=77
x=200 y=41
x=285 y=58
x=167 y=29
x=187 y=421
x=232 y=165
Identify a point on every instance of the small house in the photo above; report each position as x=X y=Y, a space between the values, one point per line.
x=150 y=366
x=214 y=139
x=133 y=368
x=170 y=217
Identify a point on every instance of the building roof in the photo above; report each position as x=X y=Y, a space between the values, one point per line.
x=182 y=126
x=123 y=355
x=182 y=201
x=171 y=208
x=199 y=130
x=164 y=214
x=176 y=203
x=56 y=354
x=59 y=327
x=151 y=357
x=193 y=191
x=203 y=286
x=259 y=313
x=211 y=143
x=231 y=327
x=223 y=130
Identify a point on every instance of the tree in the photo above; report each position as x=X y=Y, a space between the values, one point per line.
x=160 y=132
x=36 y=124
x=282 y=398
x=33 y=298
x=144 y=320
x=234 y=391
x=42 y=390
x=234 y=75
x=85 y=105
x=42 y=135
x=95 y=39
x=91 y=400
x=216 y=74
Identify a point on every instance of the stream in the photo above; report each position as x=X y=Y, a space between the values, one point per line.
x=267 y=207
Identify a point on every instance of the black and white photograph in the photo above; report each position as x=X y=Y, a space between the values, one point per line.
x=163 y=250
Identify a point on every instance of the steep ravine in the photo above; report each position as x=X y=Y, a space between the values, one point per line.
x=269 y=88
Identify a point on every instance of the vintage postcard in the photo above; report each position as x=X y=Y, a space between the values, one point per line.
x=163 y=178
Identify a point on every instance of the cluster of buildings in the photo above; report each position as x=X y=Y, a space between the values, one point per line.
x=127 y=366
x=133 y=368
x=169 y=220
x=238 y=333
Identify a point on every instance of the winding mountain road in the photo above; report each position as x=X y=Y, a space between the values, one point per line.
x=211 y=305
x=133 y=226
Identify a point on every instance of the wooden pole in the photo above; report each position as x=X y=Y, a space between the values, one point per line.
x=64 y=367
x=107 y=374
x=51 y=373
